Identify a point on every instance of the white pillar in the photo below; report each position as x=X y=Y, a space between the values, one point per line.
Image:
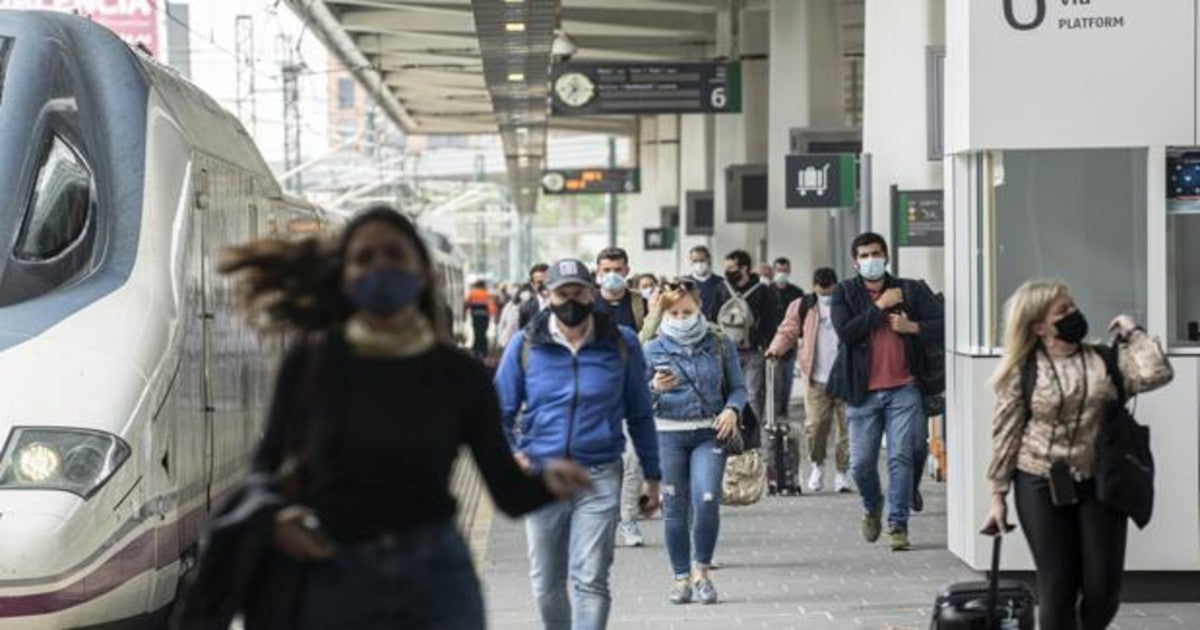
x=695 y=174
x=658 y=146
x=806 y=91
x=741 y=138
x=894 y=129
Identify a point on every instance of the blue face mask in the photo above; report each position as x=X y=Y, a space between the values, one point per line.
x=687 y=331
x=872 y=268
x=612 y=282
x=384 y=292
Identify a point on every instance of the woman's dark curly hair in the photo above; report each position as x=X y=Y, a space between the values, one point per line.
x=297 y=285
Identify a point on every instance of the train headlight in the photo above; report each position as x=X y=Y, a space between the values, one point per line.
x=72 y=460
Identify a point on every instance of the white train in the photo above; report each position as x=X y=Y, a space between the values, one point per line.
x=131 y=394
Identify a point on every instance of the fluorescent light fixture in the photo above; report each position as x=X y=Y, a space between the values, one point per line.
x=516 y=76
x=514 y=27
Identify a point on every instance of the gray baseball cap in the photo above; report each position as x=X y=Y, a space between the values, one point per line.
x=568 y=271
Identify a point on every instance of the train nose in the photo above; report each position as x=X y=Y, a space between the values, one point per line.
x=34 y=536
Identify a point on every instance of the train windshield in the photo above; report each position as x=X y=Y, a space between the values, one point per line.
x=6 y=44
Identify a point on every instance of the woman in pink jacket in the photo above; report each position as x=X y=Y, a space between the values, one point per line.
x=808 y=319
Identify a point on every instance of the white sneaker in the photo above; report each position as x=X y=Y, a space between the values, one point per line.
x=841 y=483
x=815 y=482
x=631 y=535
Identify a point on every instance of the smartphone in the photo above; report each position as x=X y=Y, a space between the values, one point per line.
x=1062 y=484
x=664 y=368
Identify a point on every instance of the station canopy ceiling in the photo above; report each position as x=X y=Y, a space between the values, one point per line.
x=482 y=66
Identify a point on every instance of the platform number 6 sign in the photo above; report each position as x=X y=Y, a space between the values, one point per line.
x=1038 y=17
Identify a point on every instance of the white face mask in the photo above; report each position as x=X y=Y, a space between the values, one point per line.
x=647 y=292
x=872 y=268
x=612 y=282
x=700 y=269
x=826 y=300
x=781 y=279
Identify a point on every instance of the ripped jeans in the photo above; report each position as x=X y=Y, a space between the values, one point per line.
x=692 y=468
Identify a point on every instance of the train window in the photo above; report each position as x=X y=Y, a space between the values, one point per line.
x=58 y=209
x=6 y=44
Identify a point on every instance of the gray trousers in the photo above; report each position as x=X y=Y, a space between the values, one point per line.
x=631 y=481
x=754 y=369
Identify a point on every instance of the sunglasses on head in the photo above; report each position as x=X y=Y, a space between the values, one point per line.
x=679 y=285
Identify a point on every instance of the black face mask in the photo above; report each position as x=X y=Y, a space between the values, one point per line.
x=734 y=277
x=571 y=313
x=1071 y=328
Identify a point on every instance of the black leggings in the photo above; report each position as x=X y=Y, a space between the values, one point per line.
x=1077 y=549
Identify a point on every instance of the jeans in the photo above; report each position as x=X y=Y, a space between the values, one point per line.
x=693 y=467
x=785 y=374
x=754 y=367
x=420 y=578
x=900 y=413
x=574 y=540
x=1078 y=550
x=631 y=481
x=822 y=412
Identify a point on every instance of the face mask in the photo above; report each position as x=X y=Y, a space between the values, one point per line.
x=781 y=279
x=571 y=313
x=1071 y=328
x=612 y=282
x=686 y=331
x=383 y=292
x=700 y=269
x=734 y=277
x=825 y=300
x=524 y=296
x=765 y=281
x=872 y=268
x=647 y=292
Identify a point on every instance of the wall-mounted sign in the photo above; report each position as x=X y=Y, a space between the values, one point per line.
x=590 y=88
x=658 y=238
x=699 y=213
x=591 y=181
x=918 y=218
x=821 y=180
x=1118 y=73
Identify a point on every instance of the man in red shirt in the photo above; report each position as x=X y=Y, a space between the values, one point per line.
x=882 y=323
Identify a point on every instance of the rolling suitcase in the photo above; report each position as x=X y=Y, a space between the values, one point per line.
x=993 y=604
x=783 y=446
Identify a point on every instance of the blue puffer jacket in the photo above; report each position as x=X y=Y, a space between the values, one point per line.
x=701 y=383
x=574 y=403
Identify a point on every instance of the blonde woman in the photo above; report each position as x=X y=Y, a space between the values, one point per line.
x=1047 y=453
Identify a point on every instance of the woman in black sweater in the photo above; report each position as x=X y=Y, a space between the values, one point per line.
x=368 y=416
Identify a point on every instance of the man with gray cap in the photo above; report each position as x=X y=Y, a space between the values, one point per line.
x=577 y=375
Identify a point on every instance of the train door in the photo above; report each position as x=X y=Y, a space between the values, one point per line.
x=204 y=211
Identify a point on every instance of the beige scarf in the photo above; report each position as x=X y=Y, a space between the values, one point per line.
x=414 y=335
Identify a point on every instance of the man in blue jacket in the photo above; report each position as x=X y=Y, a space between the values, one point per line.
x=577 y=375
x=883 y=323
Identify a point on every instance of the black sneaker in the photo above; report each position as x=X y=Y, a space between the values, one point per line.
x=918 y=502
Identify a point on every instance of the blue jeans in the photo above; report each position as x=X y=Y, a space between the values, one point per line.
x=420 y=578
x=899 y=412
x=575 y=539
x=693 y=467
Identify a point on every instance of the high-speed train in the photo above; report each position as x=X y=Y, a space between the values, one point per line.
x=131 y=393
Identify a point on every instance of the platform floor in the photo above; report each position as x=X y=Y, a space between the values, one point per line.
x=785 y=563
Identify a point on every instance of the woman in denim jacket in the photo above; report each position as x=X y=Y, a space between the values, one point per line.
x=698 y=395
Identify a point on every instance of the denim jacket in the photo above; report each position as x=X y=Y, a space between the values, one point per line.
x=705 y=386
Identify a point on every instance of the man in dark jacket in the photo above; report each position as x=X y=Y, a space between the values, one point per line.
x=882 y=323
x=537 y=281
x=785 y=294
x=579 y=377
x=743 y=283
x=713 y=292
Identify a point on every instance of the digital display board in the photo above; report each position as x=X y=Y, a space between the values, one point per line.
x=591 y=181
x=592 y=88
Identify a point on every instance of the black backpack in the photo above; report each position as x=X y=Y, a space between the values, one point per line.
x=1124 y=463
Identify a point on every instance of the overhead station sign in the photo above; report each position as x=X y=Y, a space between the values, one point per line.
x=597 y=88
x=591 y=181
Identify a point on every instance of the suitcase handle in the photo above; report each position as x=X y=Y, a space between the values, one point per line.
x=769 y=392
x=994 y=584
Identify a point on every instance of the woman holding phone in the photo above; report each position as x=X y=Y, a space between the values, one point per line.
x=1047 y=454
x=698 y=394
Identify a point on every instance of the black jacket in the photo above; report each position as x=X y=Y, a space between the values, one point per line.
x=855 y=316
x=767 y=314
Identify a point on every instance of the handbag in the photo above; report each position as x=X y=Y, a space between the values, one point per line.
x=1124 y=462
x=238 y=570
x=745 y=479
